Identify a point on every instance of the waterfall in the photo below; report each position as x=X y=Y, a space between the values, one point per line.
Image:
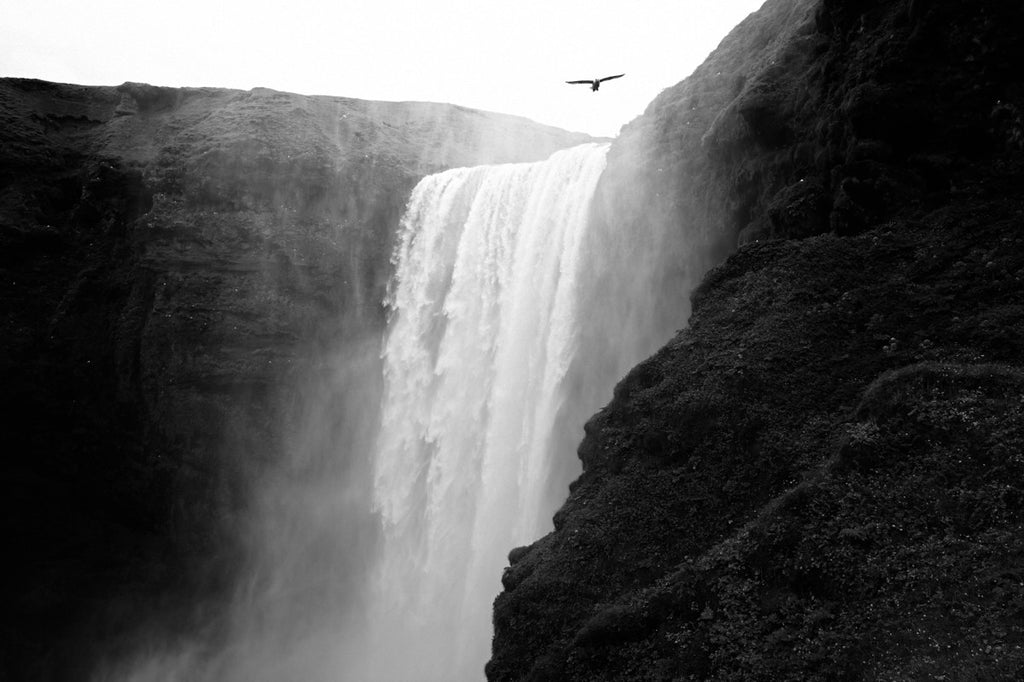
x=482 y=330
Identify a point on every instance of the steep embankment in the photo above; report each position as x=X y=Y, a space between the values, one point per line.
x=821 y=477
x=174 y=263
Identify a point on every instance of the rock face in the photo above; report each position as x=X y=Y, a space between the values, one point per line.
x=820 y=478
x=174 y=263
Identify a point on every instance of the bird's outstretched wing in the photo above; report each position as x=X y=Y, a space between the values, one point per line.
x=608 y=78
x=588 y=82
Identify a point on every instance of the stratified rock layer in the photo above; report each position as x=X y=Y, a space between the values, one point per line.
x=820 y=478
x=178 y=269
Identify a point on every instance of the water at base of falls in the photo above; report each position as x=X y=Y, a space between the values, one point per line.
x=482 y=331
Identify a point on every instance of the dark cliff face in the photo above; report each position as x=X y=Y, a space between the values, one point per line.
x=179 y=270
x=820 y=478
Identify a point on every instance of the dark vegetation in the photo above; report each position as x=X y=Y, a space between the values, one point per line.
x=821 y=477
x=178 y=270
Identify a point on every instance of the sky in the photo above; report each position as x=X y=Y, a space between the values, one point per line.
x=510 y=57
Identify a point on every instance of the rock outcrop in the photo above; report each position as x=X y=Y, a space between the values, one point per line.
x=177 y=268
x=820 y=478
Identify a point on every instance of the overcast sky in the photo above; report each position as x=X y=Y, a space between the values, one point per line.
x=506 y=56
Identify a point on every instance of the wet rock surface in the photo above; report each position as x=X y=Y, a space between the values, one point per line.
x=177 y=268
x=820 y=477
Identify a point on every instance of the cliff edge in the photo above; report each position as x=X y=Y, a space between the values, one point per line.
x=180 y=270
x=820 y=478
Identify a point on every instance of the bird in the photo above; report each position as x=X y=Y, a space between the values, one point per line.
x=595 y=83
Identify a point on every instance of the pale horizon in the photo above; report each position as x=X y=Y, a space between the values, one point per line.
x=505 y=58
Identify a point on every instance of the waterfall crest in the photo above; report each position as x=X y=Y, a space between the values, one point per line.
x=482 y=331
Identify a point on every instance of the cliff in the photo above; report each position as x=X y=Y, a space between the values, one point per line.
x=179 y=271
x=820 y=477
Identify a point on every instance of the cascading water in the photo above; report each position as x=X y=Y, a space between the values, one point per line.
x=482 y=333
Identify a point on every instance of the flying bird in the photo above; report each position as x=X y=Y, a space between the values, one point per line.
x=595 y=84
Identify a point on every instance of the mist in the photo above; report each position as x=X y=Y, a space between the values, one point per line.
x=265 y=251
x=378 y=476
x=373 y=548
x=304 y=530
